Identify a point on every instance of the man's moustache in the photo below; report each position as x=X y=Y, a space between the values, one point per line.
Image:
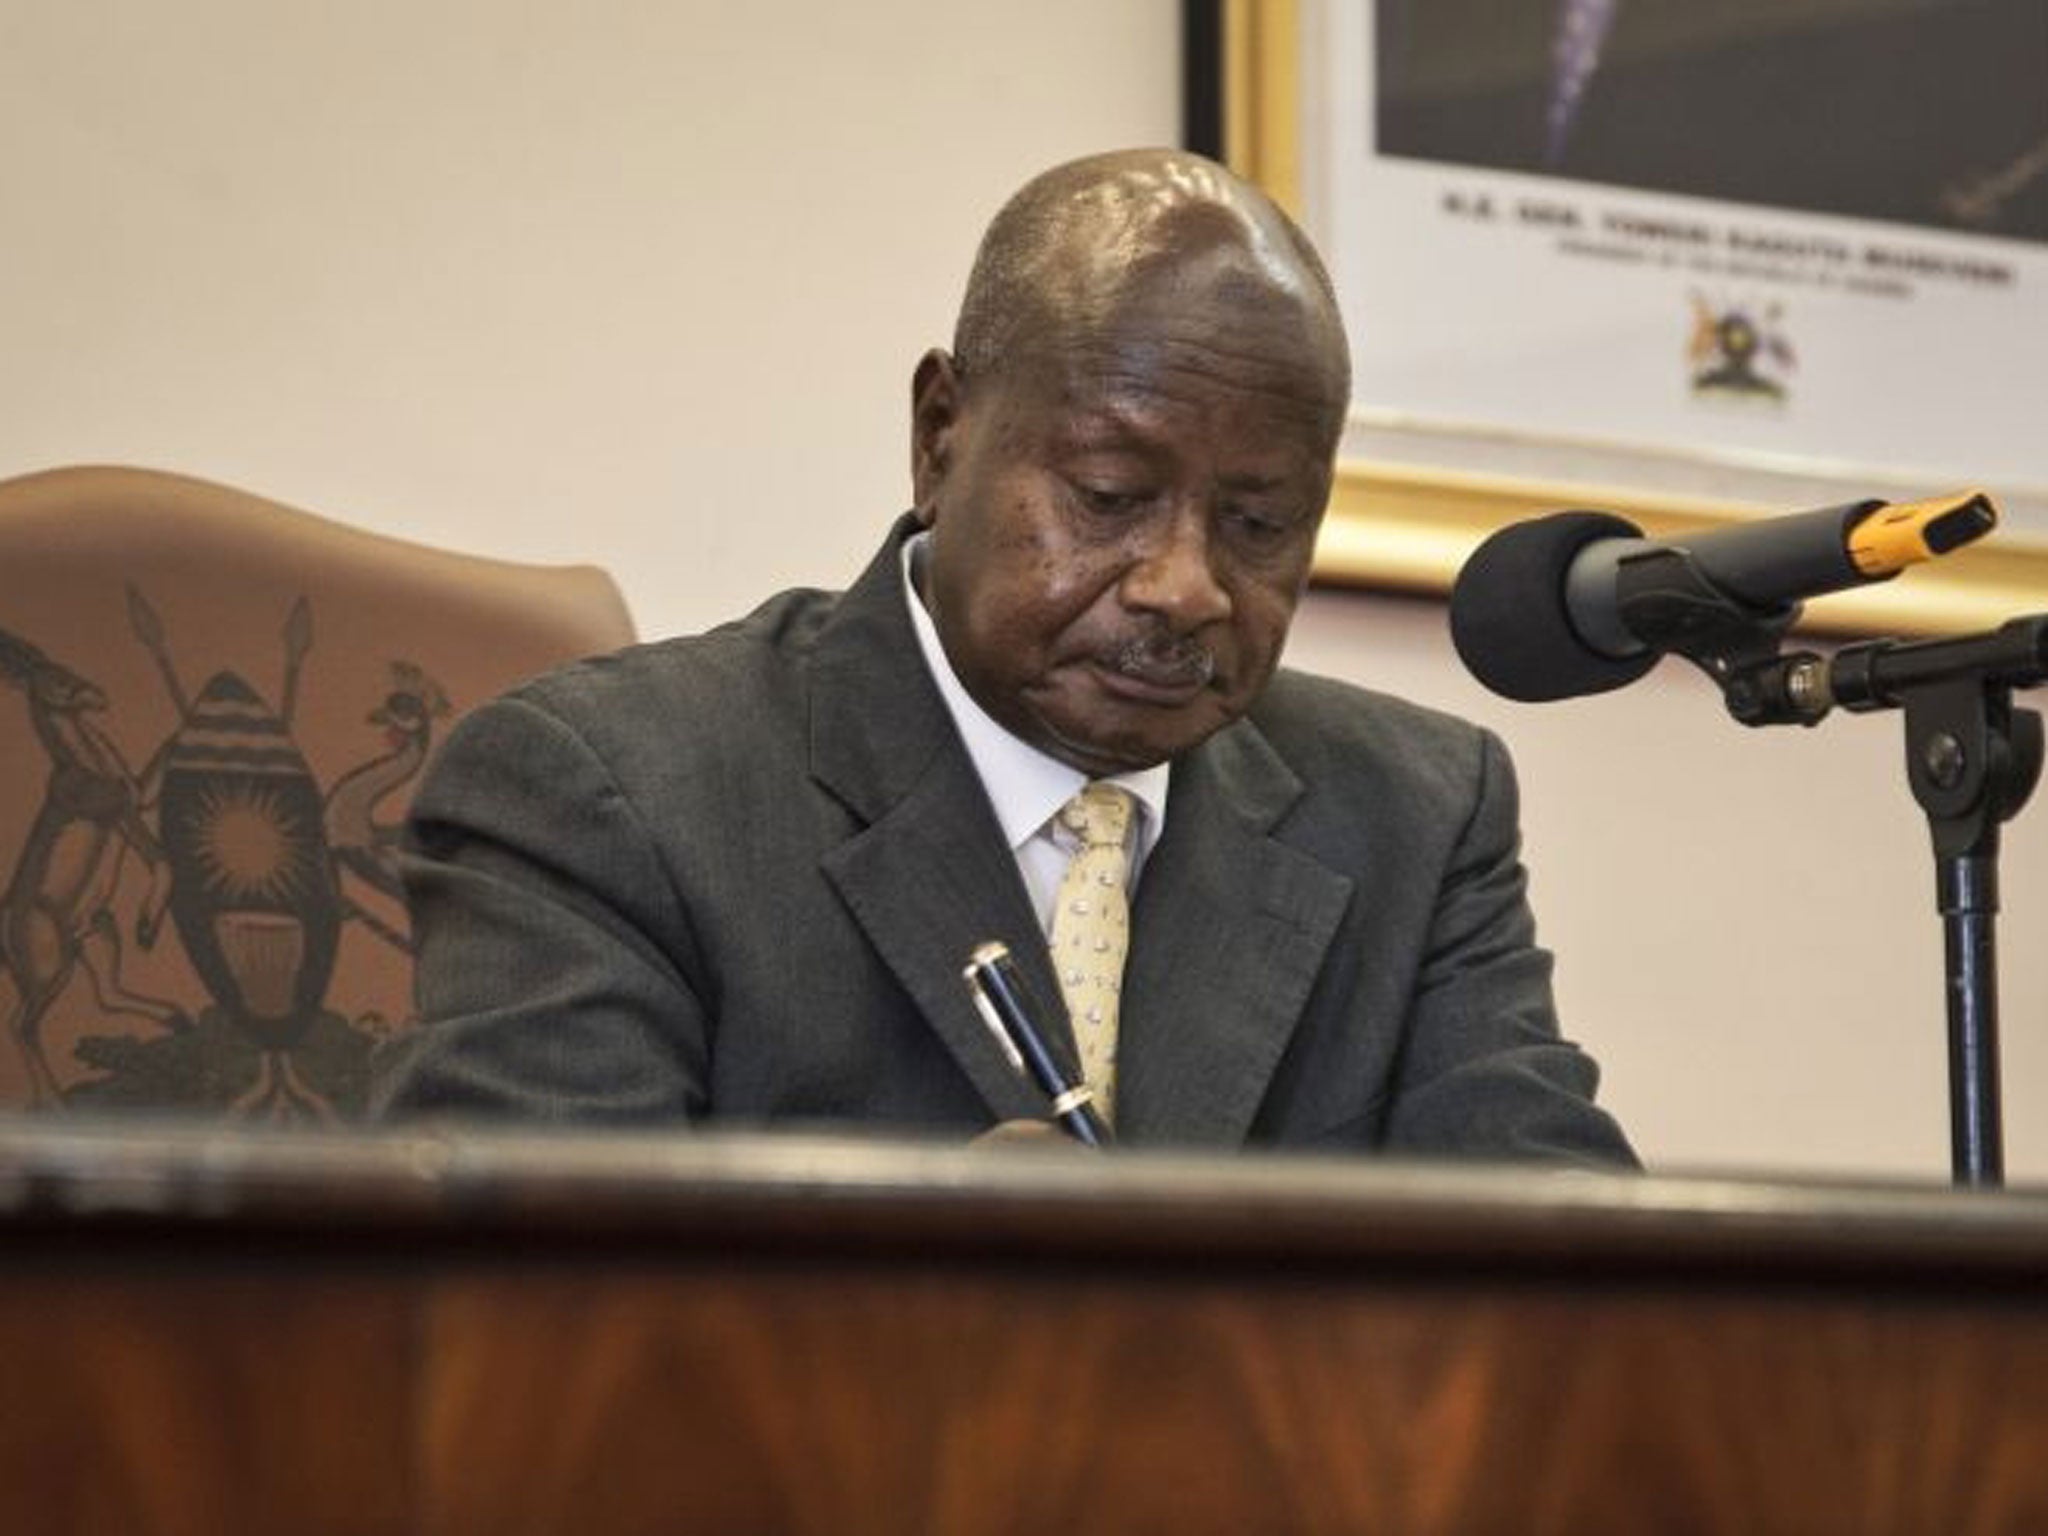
x=1163 y=660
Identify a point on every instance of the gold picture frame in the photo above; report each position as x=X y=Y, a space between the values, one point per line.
x=1409 y=528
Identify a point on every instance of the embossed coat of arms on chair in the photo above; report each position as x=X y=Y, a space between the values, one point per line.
x=213 y=709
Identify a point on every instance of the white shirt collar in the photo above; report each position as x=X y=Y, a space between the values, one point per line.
x=1025 y=785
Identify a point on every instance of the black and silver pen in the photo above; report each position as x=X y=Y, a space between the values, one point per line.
x=1009 y=1008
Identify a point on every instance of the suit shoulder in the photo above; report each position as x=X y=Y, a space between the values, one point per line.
x=1361 y=754
x=744 y=665
x=1315 y=720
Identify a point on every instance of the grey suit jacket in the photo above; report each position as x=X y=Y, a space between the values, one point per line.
x=736 y=876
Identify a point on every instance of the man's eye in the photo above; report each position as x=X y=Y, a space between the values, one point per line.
x=1110 y=501
x=1260 y=527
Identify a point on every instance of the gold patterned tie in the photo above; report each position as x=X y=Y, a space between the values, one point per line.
x=1091 y=930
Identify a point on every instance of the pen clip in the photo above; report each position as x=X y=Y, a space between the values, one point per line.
x=978 y=990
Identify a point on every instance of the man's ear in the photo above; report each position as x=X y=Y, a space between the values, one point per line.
x=934 y=413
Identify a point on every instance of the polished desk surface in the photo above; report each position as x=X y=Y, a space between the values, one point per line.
x=443 y=1331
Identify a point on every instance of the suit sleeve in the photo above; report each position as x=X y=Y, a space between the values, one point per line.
x=553 y=952
x=1483 y=1068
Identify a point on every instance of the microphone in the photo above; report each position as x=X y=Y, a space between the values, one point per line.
x=1581 y=602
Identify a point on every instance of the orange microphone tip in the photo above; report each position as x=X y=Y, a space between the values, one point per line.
x=1897 y=534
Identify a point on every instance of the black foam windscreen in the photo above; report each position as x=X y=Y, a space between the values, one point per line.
x=1510 y=621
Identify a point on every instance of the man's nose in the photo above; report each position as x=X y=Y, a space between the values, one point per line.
x=1174 y=573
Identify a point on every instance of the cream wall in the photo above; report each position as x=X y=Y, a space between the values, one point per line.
x=642 y=283
x=632 y=280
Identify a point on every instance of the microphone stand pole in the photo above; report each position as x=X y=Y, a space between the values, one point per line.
x=1972 y=761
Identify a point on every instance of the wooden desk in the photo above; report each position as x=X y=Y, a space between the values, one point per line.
x=426 y=1334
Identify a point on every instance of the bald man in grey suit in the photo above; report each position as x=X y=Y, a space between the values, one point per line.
x=734 y=878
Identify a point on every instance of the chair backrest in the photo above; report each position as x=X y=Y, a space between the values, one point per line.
x=213 y=710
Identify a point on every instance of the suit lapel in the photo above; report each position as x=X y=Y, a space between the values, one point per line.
x=1228 y=936
x=1230 y=925
x=929 y=876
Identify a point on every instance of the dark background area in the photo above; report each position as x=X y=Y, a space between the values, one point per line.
x=1914 y=111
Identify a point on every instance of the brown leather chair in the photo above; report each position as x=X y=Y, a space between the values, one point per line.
x=213 y=710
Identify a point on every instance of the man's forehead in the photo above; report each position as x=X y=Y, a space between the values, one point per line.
x=1084 y=406
x=1165 y=353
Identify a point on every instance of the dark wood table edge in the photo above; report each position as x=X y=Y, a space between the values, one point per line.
x=546 y=1191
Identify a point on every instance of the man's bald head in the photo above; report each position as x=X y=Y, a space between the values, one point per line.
x=1085 y=244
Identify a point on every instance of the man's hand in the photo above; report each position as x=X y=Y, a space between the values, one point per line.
x=1024 y=1133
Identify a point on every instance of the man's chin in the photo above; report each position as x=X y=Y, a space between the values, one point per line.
x=1119 y=744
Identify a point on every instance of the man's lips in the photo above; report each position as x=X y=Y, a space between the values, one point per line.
x=1152 y=673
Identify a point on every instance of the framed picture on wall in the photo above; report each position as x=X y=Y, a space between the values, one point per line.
x=1688 y=260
